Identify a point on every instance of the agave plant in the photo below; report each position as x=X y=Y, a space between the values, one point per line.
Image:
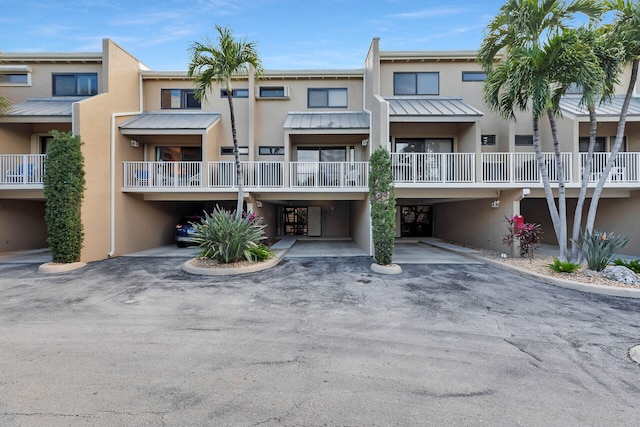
x=599 y=248
x=226 y=238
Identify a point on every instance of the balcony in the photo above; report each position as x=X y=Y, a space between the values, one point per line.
x=523 y=167
x=625 y=169
x=214 y=176
x=428 y=168
x=22 y=170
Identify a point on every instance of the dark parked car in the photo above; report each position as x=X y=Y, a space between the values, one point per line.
x=185 y=230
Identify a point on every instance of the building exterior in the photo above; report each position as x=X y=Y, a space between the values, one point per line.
x=153 y=152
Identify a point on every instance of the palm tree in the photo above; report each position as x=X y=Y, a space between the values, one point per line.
x=222 y=62
x=626 y=31
x=530 y=32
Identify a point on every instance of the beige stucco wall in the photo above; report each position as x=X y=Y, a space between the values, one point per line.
x=475 y=222
x=23 y=225
x=361 y=223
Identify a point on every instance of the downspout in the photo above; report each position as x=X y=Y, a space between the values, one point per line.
x=112 y=159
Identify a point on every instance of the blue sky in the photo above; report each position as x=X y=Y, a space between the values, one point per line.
x=300 y=34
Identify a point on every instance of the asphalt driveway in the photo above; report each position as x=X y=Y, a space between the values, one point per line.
x=135 y=341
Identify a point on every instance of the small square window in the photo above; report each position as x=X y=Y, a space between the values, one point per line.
x=327 y=98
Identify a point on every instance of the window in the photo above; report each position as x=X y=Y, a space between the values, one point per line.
x=178 y=99
x=474 y=76
x=178 y=154
x=271 y=151
x=524 y=139
x=416 y=83
x=600 y=147
x=623 y=146
x=325 y=98
x=237 y=93
x=488 y=139
x=273 y=92
x=15 y=75
x=424 y=145
x=228 y=151
x=75 y=84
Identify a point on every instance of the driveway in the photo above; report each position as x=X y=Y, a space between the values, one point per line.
x=135 y=341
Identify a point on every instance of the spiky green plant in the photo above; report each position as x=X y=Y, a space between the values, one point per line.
x=599 y=248
x=227 y=238
x=633 y=265
x=563 y=266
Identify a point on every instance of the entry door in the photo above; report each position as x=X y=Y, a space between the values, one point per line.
x=415 y=221
x=315 y=221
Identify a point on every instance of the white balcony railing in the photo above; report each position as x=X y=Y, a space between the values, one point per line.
x=433 y=167
x=626 y=167
x=21 y=169
x=523 y=167
x=329 y=174
x=220 y=175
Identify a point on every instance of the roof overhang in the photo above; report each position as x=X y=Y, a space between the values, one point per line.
x=41 y=110
x=327 y=122
x=170 y=123
x=608 y=111
x=432 y=109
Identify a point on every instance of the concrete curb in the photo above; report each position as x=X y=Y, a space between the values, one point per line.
x=562 y=283
x=634 y=353
x=52 y=268
x=205 y=271
x=386 y=269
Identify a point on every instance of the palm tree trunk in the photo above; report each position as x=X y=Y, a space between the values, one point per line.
x=562 y=196
x=586 y=172
x=236 y=155
x=542 y=168
x=593 y=207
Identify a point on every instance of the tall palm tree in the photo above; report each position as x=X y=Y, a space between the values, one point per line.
x=528 y=32
x=625 y=30
x=220 y=63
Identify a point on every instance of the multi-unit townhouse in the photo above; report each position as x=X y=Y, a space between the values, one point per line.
x=153 y=152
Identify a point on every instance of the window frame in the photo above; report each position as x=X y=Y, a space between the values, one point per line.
x=227 y=150
x=416 y=91
x=76 y=76
x=15 y=70
x=237 y=93
x=521 y=143
x=184 y=93
x=489 y=138
x=268 y=150
x=328 y=91
x=276 y=90
x=467 y=74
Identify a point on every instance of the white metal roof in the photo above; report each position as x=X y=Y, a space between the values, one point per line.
x=39 y=109
x=431 y=109
x=570 y=106
x=327 y=120
x=170 y=123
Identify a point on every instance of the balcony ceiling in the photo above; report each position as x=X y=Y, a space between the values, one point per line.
x=431 y=109
x=170 y=123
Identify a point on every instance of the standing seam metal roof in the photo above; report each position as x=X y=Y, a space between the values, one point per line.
x=44 y=107
x=571 y=105
x=327 y=120
x=430 y=106
x=170 y=120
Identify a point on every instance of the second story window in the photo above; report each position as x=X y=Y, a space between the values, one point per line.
x=416 y=83
x=237 y=93
x=327 y=98
x=474 y=76
x=524 y=140
x=85 y=84
x=178 y=99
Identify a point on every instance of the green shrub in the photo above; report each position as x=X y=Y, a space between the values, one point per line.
x=563 y=266
x=261 y=253
x=383 y=206
x=633 y=265
x=528 y=235
x=64 y=184
x=224 y=237
x=599 y=249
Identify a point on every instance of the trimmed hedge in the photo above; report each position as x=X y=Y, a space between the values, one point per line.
x=383 y=206
x=64 y=185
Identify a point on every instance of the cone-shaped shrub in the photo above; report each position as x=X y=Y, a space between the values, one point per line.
x=383 y=206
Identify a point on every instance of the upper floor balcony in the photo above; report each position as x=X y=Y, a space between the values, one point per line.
x=22 y=171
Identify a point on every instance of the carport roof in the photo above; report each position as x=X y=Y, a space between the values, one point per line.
x=570 y=106
x=43 y=109
x=327 y=120
x=431 y=109
x=169 y=123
